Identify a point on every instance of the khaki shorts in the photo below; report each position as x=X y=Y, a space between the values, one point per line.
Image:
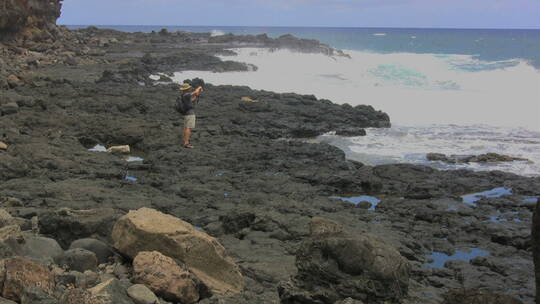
x=189 y=121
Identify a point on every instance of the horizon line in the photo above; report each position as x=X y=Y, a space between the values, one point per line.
x=307 y=26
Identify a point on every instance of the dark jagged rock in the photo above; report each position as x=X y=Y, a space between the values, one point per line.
x=482 y=158
x=334 y=265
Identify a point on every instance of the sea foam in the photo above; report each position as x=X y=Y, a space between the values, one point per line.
x=411 y=88
x=452 y=104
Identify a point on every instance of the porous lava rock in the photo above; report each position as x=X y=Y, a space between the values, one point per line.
x=334 y=265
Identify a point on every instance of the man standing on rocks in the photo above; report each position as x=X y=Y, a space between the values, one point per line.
x=188 y=101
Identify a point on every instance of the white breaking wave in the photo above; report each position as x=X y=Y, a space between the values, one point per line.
x=410 y=144
x=414 y=89
x=215 y=33
x=411 y=88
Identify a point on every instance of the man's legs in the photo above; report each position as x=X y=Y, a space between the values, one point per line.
x=186 y=136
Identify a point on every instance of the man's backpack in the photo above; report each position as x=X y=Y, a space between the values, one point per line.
x=179 y=105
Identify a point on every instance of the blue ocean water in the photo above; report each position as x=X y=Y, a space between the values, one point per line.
x=484 y=44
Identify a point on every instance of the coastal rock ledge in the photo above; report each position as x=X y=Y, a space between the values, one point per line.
x=334 y=265
x=150 y=230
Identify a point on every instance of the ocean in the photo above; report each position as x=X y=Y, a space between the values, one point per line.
x=451 y=91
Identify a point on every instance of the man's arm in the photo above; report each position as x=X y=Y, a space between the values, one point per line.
x=195 y=94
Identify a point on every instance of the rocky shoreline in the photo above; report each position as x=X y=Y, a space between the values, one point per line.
x=272 y=200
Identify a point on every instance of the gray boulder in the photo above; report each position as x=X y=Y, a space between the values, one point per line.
x=78 y=259
x=99 y=248
x=142 y=294
x=34 y=247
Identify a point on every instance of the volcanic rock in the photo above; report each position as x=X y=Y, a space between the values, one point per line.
x=482 y=158
x=333 y=265
x=148 y=230
x=19 y=273
x=79 y=296
x=165 y=277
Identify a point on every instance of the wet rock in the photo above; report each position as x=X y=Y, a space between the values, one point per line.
x=147 y=230
x=19 y=273
x=165 y=277
x=475 y=296
x=142 y=294
x=111 y=292
x=9 y=108
x=3 y=146
x=99 y=248
x=334 y=265
x=80 y=296
x=350 y=132
x=482 y=158
x=78 y=259
x=67 y=225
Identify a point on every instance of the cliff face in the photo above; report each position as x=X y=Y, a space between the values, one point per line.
x=28 y=19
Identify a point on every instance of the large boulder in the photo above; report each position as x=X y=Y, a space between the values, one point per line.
x=148 y=230
x=18 y=274
x=334 y=265
x=165 y=277
x=34 y=247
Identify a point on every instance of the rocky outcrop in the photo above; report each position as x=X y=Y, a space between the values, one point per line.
x=29 y=19
x=150 y=230
x=464 y=159
x=165 y=277
x=334 y=265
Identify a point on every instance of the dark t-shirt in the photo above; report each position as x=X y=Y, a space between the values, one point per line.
x=188 y=104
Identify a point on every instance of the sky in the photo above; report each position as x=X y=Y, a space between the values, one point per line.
x=325 y=13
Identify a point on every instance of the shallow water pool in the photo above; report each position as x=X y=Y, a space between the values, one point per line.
x=471 y=199
x=439 y=258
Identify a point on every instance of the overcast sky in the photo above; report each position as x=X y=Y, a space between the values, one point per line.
x=335 y=13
